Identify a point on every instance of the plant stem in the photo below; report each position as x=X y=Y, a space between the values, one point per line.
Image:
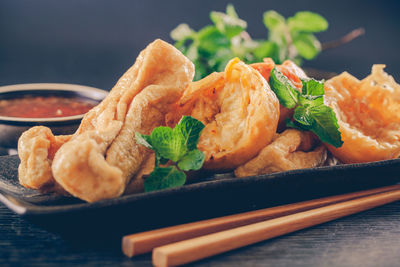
x=344 y=39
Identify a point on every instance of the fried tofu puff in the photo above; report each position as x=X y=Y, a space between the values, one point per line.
x=239 y=110
x=36 y=150
x=101 y=158
x=368 y=113
x=290 y=150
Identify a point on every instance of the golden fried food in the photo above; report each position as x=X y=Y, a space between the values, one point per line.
x=102 y=156
x=239 y=110
x=368 y=114
x=136 y=184
x=36 y=150
x=288 y=68
x=293 y=72
x=241 y=115
x=290 y=150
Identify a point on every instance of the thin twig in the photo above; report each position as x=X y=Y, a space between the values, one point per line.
x=344 y=39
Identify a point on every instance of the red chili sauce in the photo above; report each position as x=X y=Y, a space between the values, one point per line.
x=44 y=106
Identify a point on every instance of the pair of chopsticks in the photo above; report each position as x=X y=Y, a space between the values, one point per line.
x=186 y=243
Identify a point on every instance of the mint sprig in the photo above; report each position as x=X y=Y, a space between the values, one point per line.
x=178 y=145
x=214 y=45
x=310 y=112
x=164 y=177
x=284 y=89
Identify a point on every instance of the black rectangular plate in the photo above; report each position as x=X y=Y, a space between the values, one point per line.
x=211 y=197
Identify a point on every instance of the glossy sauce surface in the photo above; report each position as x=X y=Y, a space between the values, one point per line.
x=31 y=106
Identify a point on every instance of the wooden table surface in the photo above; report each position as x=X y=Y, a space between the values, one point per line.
x=370 y=238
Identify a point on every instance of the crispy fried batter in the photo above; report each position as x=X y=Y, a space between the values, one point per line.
x=136 y=184
x=368 y=114
x=102 y=156
x=239 y=110
x=99 y=161
x=36 y=149
x=290 y=150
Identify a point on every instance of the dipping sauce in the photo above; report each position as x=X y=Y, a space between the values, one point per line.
x=51 y=106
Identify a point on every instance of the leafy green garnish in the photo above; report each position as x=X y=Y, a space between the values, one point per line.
x=164 y=177
x=178 y=145
x=168 y=143
x=283 y=88
x=188 y=130
x=306 y=21
x=193 y=160
x=325 y=125
x=229 y=24
x=310 y=113
x=214 y=45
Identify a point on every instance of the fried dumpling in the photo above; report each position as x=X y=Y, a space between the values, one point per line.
x=99 y=161
x=368 y=114
x=102 y=156
x=239 y=110
x=290 y=150
x=36 y=150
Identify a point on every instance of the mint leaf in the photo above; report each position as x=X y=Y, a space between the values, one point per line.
x=312 y=87
x=189 y=130
x=278 y=33
x=228 y=24
x=273 y=20
x=160 y=160
x=230 y=11
x=285 y=91
x=192 y=161
x=201 y=70
x=222 y=57
x=310 y=113
x=265 y=49
x=168 y=144
x=214 y=45
x=321 y=120
x=295 y=125
x=325 y=125
x=307 y=45
x=307 y=21
x=178 y=145
x=143 y=140
x=182 y=32
x=162 y=178
x=303 y=116
x=312 y=92
x=210 y=39
x=193 y=52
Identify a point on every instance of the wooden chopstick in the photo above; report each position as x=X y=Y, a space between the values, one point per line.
x=140 y=243
x=205 y=246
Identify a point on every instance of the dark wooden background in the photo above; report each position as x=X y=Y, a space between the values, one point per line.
x=92 y=42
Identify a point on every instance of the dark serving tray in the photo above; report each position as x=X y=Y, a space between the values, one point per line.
x=211 y=197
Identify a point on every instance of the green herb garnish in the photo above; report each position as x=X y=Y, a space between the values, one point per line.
x=214 y=45
x=178 y=145
x=310 y=113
